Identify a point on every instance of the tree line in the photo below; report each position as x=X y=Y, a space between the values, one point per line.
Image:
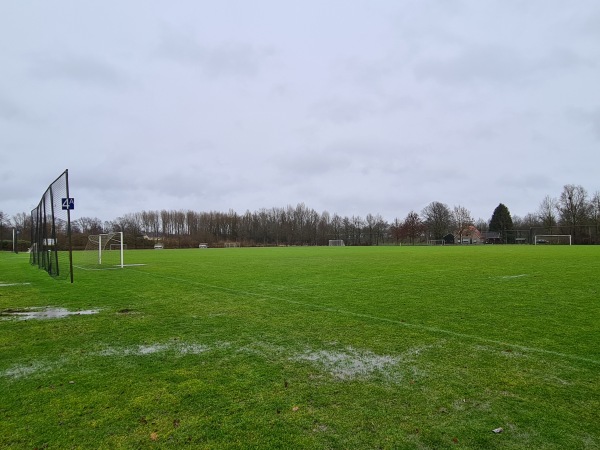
x=573 y=212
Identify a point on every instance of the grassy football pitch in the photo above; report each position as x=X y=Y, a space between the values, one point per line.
x=345 y=347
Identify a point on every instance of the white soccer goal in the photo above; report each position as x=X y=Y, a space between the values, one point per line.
x=231 y=244
x=552 y=239
x=107 y=249
x=336 y=243
x=436 y=242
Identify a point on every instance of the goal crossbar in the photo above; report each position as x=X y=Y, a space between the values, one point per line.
x=552 y=238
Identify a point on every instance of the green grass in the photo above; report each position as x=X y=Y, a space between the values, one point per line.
x=382 y=347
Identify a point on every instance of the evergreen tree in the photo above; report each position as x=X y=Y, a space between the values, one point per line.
x=501 y=222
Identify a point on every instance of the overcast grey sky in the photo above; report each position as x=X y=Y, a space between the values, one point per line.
x=353 y=107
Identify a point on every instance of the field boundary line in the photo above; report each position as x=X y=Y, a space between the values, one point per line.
x=385 y=319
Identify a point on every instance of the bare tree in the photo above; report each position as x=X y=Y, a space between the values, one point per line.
x=438 y=218
x=151 y=223
x=595 y=213
x=336 y=226
x=573 y=208
x=396 y=230
x=526 y=222
x=482 y=224
x=547 y=212
x=462 y=220
x=4 y=222
x=88 y=225
x=412 y=227
x=381 y=227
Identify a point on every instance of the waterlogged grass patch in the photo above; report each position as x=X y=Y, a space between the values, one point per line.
x=26 y=370
x=43 y=313
x=174 y=348
x=344 y=364
x=179 y=348
x=349 y=364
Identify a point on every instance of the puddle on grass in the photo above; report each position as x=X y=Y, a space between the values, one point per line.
x=43 y=313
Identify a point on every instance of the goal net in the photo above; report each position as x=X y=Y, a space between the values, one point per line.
x=231 y=244
x=104 y=251
x=436 y=242
x=552 y=239
x=336 y=243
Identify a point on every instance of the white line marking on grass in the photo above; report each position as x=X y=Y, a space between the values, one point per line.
x=13 y=284
x=510 y=277
x=387 y=320
x=117 y=267
x=455 y=334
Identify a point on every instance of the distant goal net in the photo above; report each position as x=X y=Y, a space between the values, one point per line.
x=552 y=239
x=103 y=251
x=336 y=243
x=436 y=242
x=231 y=244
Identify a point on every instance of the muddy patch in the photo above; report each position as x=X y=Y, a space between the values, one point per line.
x=43 y=313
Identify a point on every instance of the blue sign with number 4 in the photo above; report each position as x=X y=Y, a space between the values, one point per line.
x=68 y=203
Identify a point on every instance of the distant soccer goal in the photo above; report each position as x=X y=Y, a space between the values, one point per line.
x=436 y=242
x=104 y=250
x=552 y=239
x=336 y=243
x=231 y=244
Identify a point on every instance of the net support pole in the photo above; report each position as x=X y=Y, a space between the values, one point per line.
x=121 y=233
x=69 y=226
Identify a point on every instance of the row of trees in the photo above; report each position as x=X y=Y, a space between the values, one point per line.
x=573 y=212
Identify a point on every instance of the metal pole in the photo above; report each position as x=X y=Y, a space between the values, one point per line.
x=69 y=225
x=121 y=233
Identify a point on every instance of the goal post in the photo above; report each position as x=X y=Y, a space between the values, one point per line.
x=107 y=248
x=336 y=243
x=436 y=242
x=552 y=239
